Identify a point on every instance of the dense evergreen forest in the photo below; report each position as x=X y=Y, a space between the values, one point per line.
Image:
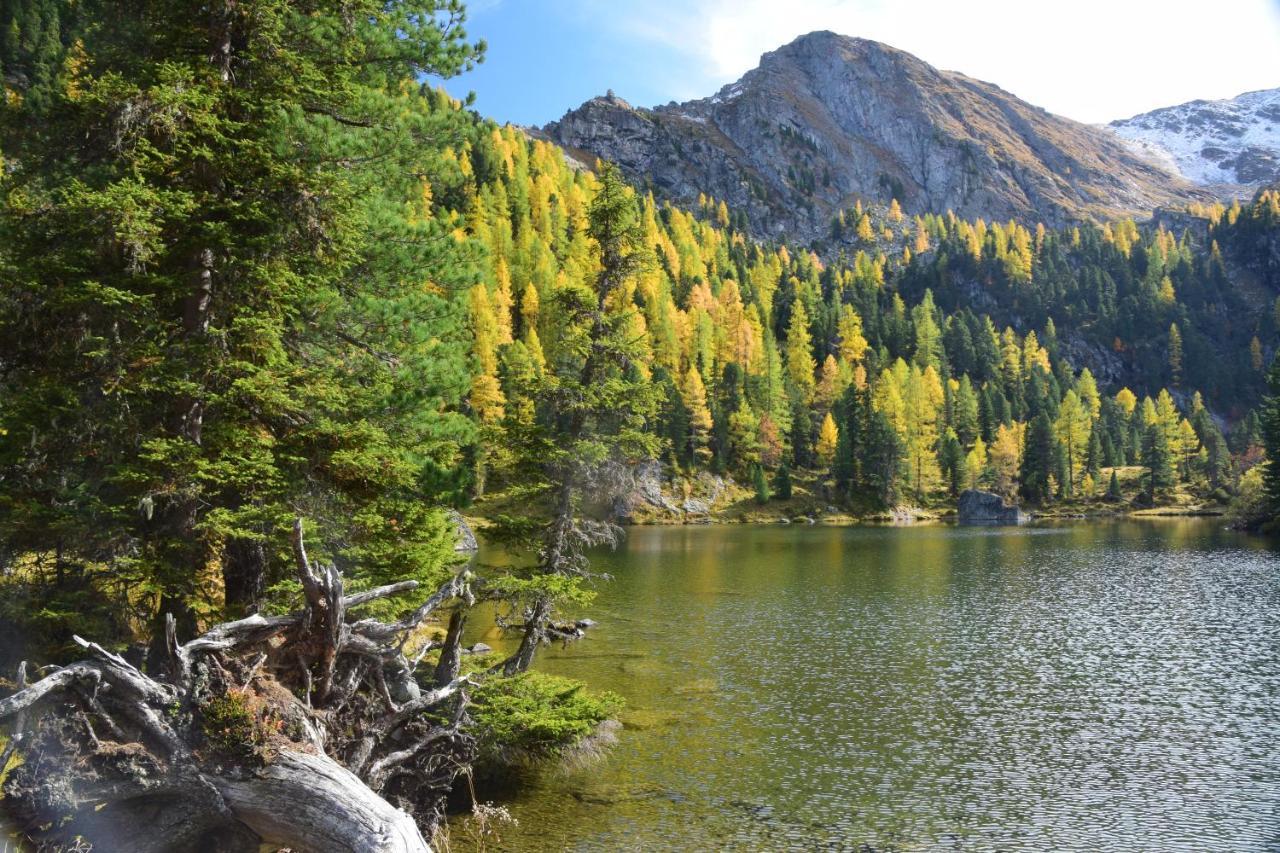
x=272 y=307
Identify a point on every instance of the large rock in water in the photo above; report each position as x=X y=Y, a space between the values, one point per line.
x=977 y=507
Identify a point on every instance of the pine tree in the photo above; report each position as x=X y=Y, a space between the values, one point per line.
x=1095 y=458
x=1269 y=427
x=782 y=482
x=951 y=459
x=1113 y=488
x=1038 y=461
x=1175 y=354
x=221 y=315
x=928 y=352
x=883 y=461
x=1158 y=460
x=965 y=411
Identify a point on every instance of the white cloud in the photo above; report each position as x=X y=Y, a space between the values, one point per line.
x=1092 y=60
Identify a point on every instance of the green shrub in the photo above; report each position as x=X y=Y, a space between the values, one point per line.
x=536 y=715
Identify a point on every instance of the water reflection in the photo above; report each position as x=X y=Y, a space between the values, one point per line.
x=1082 y=686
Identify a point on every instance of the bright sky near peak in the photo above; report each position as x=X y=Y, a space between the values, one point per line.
x=1091 y=60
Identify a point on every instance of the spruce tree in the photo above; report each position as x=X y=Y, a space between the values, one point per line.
x=951 y=458
x=761 y=484
x=883 y=462
x=1038 y=460
x=782 y=482
x=235 y=305
x=1158 y=461
x=1269 y=427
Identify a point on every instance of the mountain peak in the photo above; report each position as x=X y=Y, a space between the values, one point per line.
x=829 y=119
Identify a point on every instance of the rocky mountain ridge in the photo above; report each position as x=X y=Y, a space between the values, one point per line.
x=1233 y=142
x=829 y=119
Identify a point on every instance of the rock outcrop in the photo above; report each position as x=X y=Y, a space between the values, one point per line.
x=978 y=507
x=829 y=119
x=466 y=543
x=646 y=496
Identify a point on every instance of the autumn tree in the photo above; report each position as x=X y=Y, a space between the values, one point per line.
x=1072 y=429
x=1005 y=458
x=828 y=437
x=800 y=364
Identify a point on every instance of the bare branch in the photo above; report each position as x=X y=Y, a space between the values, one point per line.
x=430 y=699
x=365 y=597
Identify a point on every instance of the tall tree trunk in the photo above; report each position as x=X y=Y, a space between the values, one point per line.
x=244 y=569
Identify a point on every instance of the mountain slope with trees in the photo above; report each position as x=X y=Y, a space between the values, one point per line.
x=929 y=361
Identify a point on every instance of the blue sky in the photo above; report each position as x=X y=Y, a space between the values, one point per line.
x=1091 y=60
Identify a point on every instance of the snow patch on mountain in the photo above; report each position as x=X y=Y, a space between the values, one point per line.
x=1232 y=141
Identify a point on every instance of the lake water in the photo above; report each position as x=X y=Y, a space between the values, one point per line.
x=1074 y=687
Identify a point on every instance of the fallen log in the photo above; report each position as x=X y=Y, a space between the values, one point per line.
x=306 y=731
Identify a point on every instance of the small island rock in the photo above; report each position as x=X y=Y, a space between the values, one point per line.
x=978 y=507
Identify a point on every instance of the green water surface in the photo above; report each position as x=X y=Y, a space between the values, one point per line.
x=1090 y=686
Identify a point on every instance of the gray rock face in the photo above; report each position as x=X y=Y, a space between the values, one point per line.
x=977 y=507
x=693 y=506
x=646 y=490
x=466 y=543
x=829 y=119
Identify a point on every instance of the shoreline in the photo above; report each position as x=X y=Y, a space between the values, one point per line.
x=942 y=518
x=912 y=517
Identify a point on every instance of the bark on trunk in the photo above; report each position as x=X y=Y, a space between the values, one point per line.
x=308 y=801
x=227 y=746
x=451 y=654
x=534 y=631
x=244 y=568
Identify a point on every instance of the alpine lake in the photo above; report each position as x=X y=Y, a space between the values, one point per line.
x=1100 y=685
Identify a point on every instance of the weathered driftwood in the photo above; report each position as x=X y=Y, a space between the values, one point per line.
x=307 y=731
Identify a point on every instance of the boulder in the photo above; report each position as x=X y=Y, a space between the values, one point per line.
x=694 y=506
x=978 y=507
x=466 y=543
